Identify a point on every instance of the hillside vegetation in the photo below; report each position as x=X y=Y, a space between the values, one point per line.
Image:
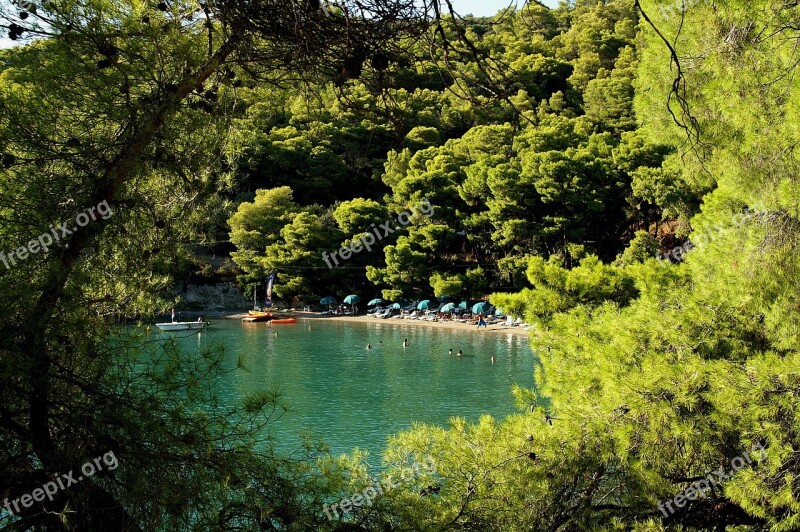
x=545 y=157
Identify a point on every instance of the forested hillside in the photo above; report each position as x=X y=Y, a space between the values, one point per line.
x=560 y=152
x=537 y=154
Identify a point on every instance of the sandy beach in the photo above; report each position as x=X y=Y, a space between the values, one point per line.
x=496 y=328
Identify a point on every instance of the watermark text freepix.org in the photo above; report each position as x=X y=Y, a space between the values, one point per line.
x=56 y=233
x=676 y=254
x=369 y=238
x=62 y=481
x=368 y=494
x=699 y=488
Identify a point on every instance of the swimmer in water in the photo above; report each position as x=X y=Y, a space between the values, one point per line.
x=459 y=353
x=450 y=352
x=369 y=346
x=405 y=342
x=492 y=359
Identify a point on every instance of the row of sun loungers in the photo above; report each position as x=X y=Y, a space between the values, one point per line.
x=433 y=316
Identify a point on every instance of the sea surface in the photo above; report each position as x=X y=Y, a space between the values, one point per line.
x=350 y=396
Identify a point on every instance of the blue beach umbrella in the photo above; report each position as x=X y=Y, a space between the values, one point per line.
x=330 y=300
x=481 y=308
x=351 y=300
x=424 y=304
x=377 y=301
x=464 y=304
x=396 y=306
x=450 y=307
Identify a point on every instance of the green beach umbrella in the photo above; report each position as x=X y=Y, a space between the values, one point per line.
x=450 y=307
x=481 y=308
x=377 y=301
x=424 y=304
x=396 y=306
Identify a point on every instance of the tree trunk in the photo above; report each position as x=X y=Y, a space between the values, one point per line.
x=139 y=134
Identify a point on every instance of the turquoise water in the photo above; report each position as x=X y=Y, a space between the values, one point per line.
x=350 y=396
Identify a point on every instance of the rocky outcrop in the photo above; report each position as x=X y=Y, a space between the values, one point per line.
x=223 y=296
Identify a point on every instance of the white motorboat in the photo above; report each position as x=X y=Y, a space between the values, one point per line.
x=182 y=325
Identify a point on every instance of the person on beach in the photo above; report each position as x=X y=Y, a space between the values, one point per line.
x=481 y=321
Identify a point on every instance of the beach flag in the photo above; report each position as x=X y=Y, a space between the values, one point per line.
x=271 y=278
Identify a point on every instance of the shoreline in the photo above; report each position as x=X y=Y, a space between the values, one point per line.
x=493 y=329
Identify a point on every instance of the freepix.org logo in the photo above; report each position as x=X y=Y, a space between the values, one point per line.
x=378 y=488
x=61 y=481
x=43 y=242
x=376 y=233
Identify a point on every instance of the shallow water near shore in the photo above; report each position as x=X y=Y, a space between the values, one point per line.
x=351 y=396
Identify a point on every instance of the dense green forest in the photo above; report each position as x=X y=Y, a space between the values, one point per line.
x=542 y=158
x=562 y=152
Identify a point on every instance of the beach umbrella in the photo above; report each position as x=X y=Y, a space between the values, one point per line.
x=424 y=304
x=481 y=308
x=377 y=301
x=396 y=306
x=450 y=307
x=444 y=298
x=351 y=300
x=330 y=300
x=464 y=304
